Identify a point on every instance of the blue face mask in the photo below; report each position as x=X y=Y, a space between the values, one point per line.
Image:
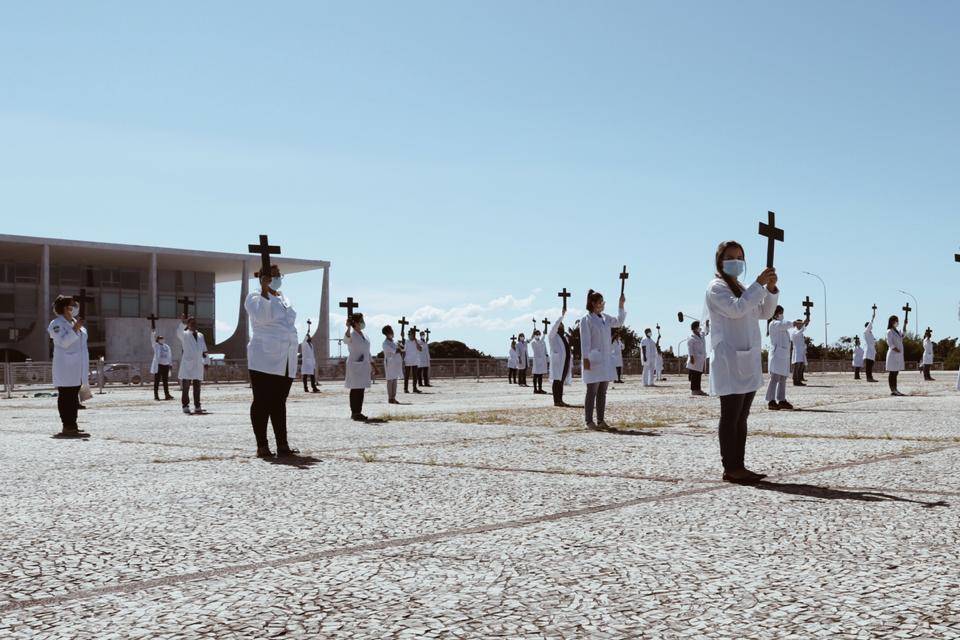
x=276 y=283
x=734 y=268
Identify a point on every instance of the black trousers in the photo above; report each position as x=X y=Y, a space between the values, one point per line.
x=68 y=399
x=163 y=373
x=512 y=375
x=926 y=372
x=869 y=364
x=408 y=373
x=696 y=378
x=313 y=381
x=269 y=403
x=356 y=401
x=619 y=374
x=557 y=389
x=537 y=382
x=856 y=373
x=892 y=379
x=734 y=411
x=185 y=386
x=522 y=377
x=426 y=377
x=798 y=368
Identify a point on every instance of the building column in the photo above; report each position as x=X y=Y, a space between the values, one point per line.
x=154 y=306
x=37 y=344
x=322 y=344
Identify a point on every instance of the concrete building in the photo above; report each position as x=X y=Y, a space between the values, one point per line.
x=125 y=284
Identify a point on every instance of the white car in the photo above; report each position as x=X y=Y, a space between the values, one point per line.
x=117 y=373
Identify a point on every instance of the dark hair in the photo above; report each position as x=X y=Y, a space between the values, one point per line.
x=61 y=303
x=891 y=320
x=593 y=297
x=256 y=274
x=779 y=309
x=387 y=330
x=356 y=317
x=718 y=262
x=158 y=339
x=694 y=325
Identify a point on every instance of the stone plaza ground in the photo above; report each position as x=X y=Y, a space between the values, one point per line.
x=482 y=511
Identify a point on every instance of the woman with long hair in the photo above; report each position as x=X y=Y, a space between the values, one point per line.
x=895 y=359
x=735 y=314
x=778 y=363
x=598 y=371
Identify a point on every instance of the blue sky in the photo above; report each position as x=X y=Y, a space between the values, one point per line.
x=460 y=162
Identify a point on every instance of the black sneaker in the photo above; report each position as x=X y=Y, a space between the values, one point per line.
x=264 y=453
x=288 y=452
x=786 y=406
x=773 y=406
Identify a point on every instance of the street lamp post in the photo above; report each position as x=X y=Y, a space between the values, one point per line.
x=826 y=340
x=916 y=306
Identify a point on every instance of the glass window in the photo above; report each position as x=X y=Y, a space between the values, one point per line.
x=69 y=276
x=167 y=306
x=205 y=282
x=109 y=304
x=204 y=307
x=26 y=301
x=166 y=280
x=130 y=305
x=130 y=280
x=26 y=273
x=6 y=303
x=110 y=277
x=187 y=281
x=91 y=277
x=7 y=272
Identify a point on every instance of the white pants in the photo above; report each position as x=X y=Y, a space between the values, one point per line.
x=648 y=375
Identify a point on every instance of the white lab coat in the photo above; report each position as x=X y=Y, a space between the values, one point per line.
x=779 y=360
x=539 y=348
x=595 y=345
x=648 y=350
x=359 y=365
x=392 y=360
x=858 y=357
x=659 y=364
x=273 y=337
x=425 y=354
x=870 y=342
x=696 y=352
x=523 y=355
x=797 y=337
x=308 y=359
x=616 y=352
x=71 y=359
x=192 y=360
x=895 y=361
x=512 y=357
x=162 y=353
x=735 y=340
x=558 y=353
x=411 y=355
x=927 y=351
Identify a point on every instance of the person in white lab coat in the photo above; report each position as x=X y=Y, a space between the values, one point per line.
x=192 y=361
x=870 y=355
x=308 y=365
x=927 y=360
x=561 y=360
x=658 y=369
x=798 y=338
x=895 y=357
x=271 y=361
x=648 y=355
x=735 y=312
x=392 y=363
x=160 y=366
x=697 y=358
x=512 y=360
x=411 y=361
x=857 y=358
x=71 y=363
x=423 y=369
x=616 y=350
x=359 y=365
x=595 y=330
x=778 y=360
x=523 y=360
x=539 y=348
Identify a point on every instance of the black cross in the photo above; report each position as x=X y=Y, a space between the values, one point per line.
x=772 y=234
x=564 y=294
x=403 y=325
x=415 y=334
x=534 y=326
x=153 y=321
x=807 y=303
x=513 y=338
x=265 y=249
x=349 y=305
x=427 y=333
x=309 y=322
x=83 y=298
x=680 y=316
x=546 y=326
x=956 y=257
x=623 y=279
x=874 y=309
x=906 y=316
x=187 y=303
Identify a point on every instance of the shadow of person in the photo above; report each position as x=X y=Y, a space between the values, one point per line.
x=298 y=462
x=826 y=493
x=628 y=432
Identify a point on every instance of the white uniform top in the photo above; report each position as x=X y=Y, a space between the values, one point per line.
x=558 y=353
x=735 y=336
x=308 y=359
x=595 y=345
x=523 y=355
x=858 y=357
x=359 y=364
x=616 y=352
x=411 y=355
x=273 y=336
x=696 y=353
x=779 y=360
x=895 y=361
x=927 y=351
x=392 y=360
x=71 y=359
x=659 y=366
x=798 y=338
x=425 y=354
x=191 y=361
x=871 y=343
x=539 y=348
x=162 y=353
x=648 y=350
x=512 y=357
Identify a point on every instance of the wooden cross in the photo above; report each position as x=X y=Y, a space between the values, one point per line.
x=187 y=303
x=658 y=334
x=427 y=334
x=83 y=298
x=874 y=310
x=153 y=321
x=415 y=334
x=349 y=305
x=564 y=294
x=623 y=279
x=265 y=249
x=807 y=303
x=534 y=326
x=403 y=328
x=546 y=326
x=513 y=338
x=772 y=234
x=309 y=322
x=906 y=315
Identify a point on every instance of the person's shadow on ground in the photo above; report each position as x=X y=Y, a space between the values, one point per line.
x=298 y=462
x=826 y=493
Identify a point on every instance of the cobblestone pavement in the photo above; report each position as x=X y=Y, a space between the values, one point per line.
x=480 y=510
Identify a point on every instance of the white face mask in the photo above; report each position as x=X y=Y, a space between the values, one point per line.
x=734 y=268
x=362 y=326
x=75 y=310
x=276 y=283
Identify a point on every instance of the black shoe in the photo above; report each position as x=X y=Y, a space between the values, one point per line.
x=593 y=427
x=359 y=417
x=157 y=398
x=287 y=452
x=417 y=391
x=168 y=398
x=786 y=406
x=80 y=406
x=264 y=452
x=773 y=406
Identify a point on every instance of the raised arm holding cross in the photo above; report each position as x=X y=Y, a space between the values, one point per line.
x=349 y=305
x=265 y=249
x=403 y=329
x=623 y=280
x=770 y=231
x=187 y=303
x=427 y=335
x=309 y=322
x=546 y=325
x=564 y=294
x=806 y=312
x=906 y=316
x=153 y=321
